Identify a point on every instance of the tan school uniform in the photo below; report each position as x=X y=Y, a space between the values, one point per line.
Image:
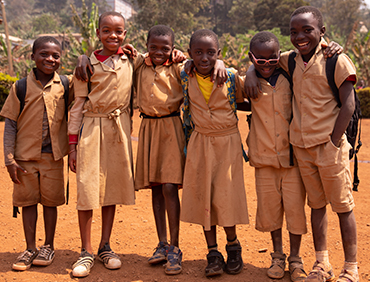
x=160 y=153
x=213 y=189
x=104 y=155
x=29 y=122
x=279 y=185
x=323 y=166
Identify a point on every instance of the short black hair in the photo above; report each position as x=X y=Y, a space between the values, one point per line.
x=111 y=13
x=161 y=30
x=309 y=9
x=203 y=33
x=263 y=37
x=42 y=40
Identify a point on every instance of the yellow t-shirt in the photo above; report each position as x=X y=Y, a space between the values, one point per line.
x=205 y=85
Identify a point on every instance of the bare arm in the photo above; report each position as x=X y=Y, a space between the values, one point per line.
x=252 y=85
x=347 y=99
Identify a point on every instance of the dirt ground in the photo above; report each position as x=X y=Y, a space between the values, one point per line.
x=134 y=235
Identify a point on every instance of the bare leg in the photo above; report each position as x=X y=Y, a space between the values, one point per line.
x=277 y=241
x=159 y=211
x=210 y=235
x=50 y=222
x=171 y=197
x=29 y=218
x=230 y=233
x=295 y=244
x=319 y=222
x=348 y=230
x=108 y=213
x=84 y=220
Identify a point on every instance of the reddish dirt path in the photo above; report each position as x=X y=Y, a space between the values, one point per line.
x=134 y=236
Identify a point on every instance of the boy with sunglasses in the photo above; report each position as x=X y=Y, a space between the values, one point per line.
x=278 y=182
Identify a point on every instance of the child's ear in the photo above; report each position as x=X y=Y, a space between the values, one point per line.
x=250 y=57
x=189 y=53
x=218 y=52
x=32 y=57
x=322 y=31
x=98 y=33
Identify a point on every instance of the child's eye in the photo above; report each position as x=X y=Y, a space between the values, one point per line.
x=119 y=32
x=198 y=53
x=308 y=30
x=56 y=57
x=211 y=53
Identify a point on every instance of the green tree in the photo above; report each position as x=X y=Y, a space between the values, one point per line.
x=50 y=6
x=45 y=23
x=241 y=16
x=275 y=13
x=178 y=14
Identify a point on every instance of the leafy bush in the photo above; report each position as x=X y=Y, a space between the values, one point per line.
x=364 y=96
x=6 y=81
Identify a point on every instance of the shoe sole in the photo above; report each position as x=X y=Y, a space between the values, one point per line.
x=108 y=267
x=21 y=267
x=172 y=272
x=214 y=273
x=42 y=262
x=156 y=261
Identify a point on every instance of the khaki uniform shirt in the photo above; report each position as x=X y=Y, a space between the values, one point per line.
x=29 y=122
x=159 y=91
x=315 y=109
x=268 y=139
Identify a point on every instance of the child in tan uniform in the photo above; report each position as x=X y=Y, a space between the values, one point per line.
x=103 y=158
x=35 y=142
x=279 y=185
x=213 y=189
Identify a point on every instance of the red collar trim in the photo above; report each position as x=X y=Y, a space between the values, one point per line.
x=148 y=62
x=102 y=58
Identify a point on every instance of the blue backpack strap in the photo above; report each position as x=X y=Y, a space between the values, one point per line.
x=188 y=125
x=231 y=90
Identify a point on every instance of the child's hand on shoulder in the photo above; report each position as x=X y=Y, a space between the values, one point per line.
x=83 y=66
x=129 y=50
x=331 y=49
x=13 y=172
x=178 y=56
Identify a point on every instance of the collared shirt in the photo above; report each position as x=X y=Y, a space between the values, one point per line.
x=30 y=122
x=268 y=138
x=315 y=109
x=159 y=91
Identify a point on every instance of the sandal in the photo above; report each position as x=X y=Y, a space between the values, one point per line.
x=277 y=268
x=348 y=276
x=296 y=270
x=320 y=272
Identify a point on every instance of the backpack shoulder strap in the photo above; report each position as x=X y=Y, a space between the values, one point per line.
x=330 y=70
x=187 y=123
x=291 y=63
x=231 y=89
x=288 y=77
x=65 y=83
x=21 y=87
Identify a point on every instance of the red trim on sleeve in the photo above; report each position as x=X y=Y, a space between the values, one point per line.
x=351 y=78
x=73 y=139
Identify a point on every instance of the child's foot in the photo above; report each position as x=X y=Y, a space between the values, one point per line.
x=321 y=272
x=296 y=269
x=24 y=260
x=234 y=264
x=216 y=263
x=277 y=268
x=45 y=257
x=348 y=276
x=174 y=258
x=83 y=265
x=109 y=258
x=160 y=253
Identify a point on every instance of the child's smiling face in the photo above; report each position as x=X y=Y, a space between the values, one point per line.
x=47 y=58
x=204 y=51
x=266 y=57
x=305 y=34
x=111 y=33
x=160 y=48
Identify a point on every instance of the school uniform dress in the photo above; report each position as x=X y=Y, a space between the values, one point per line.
x=325 y=168
x=160 y=154
x=42 y=118
x=213 y=188
x=279 y=185
x=104 y=154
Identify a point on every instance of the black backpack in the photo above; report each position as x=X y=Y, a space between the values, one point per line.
x=353 y=126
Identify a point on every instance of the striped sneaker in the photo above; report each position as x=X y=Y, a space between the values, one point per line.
x=24 y=260
x=82 y=266
x=174 y=258
x=108 y=257
x=160 y=253
x=45 y=257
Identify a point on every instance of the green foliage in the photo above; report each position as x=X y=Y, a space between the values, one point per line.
x=360 y=51
x=6 y=81
x=45 y=23
x=364 y=96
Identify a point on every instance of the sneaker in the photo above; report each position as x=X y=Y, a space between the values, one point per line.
x=83 y=265
x=234 y=264
x=160 y=253
x=348 y=276
x=277 y=268
x=109 y=258
x=296 y=269
x=45 y=257
x=24 y=260
x=174 y=258
x=216 y=263
x=320 y=272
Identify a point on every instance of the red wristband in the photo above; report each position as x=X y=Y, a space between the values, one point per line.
x=73 y=139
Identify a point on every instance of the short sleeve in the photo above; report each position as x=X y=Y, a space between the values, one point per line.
x=80 y=87
x=11 y=106
x=343 y=69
